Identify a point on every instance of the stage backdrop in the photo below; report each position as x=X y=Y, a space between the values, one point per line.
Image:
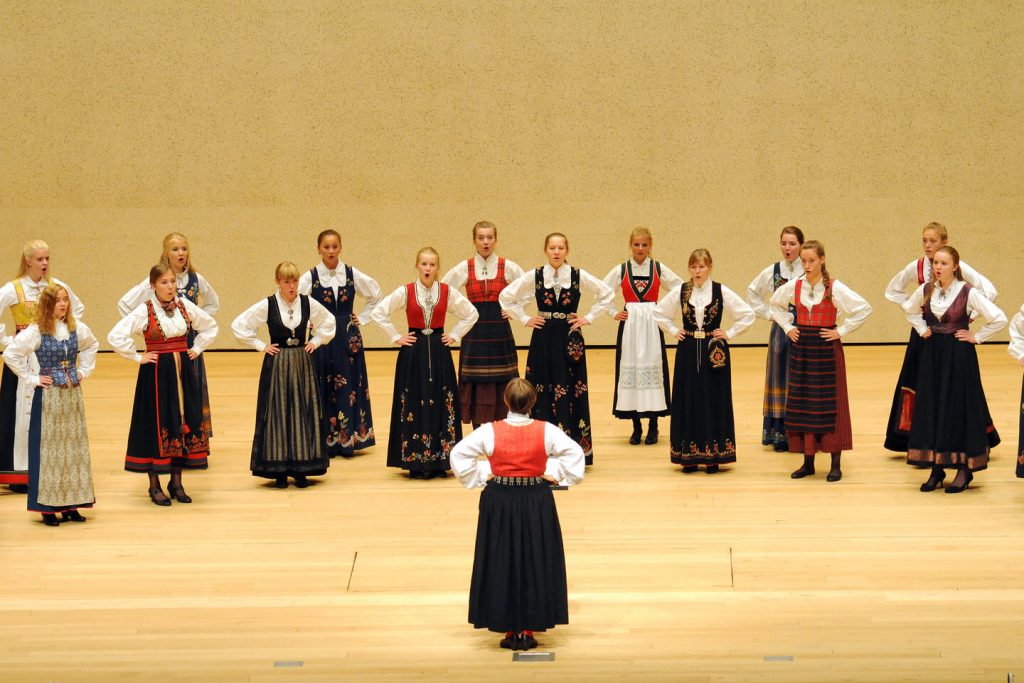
x=251 y=126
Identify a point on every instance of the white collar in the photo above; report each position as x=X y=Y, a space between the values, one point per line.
x=491 y=260
x=284 y=305
x=643 y=264
x=325 y=271
x=702 y=288
x=421 y=288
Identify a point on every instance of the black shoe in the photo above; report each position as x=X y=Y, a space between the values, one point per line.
x=301 y=482
x=510 y=642
x=430 y=475
x=934 y=481
x=72 y=516
x=834 y=475
x=415 y=474
x=527 y=642
x=281 y=482
x=711 y=469
x=50 y=519
x=652 y=437
x=18 y=488
x=781 y=447
x=804 y=471
x=163 y=501
x=957 y=489
x=441 y=474
x=690 y=468
x=634 y=438
x=178 y=494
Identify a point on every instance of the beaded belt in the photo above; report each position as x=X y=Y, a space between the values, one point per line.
x=696 y=334
x=553 y=314
x=517 y=481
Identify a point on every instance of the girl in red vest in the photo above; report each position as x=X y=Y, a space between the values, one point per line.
x=817 y=401
x=898 y=291
x=425 y=419
x=641 y=365
x=487 y=359
x=167 y=433
x=518 y=585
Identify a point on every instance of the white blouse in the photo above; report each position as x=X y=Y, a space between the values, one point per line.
x=140 y=293
x=565 y=457
x=522 y=291
x=903 y=283
x=669 y=280
x=9 y=297
x=760 y=289
x=486 y=269
x=20 y=355
x=458 y=306
x=700 y=298
x=852 y=309
x=977 y=306
x=249 y=321
x=365 y=286
x=1017 y=335
x=121 y=337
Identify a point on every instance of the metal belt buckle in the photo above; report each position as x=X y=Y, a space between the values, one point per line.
x=699 y=334
x=559 y=315
x=427 y=331
x=292 y=341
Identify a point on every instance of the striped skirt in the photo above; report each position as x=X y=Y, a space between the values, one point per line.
x=487 y=362
x=775 y=379
x=287 y=440
x=817 y=401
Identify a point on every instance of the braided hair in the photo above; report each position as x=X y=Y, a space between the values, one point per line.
x=819 y=249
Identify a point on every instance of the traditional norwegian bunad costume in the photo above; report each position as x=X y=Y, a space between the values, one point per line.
x=817 y=399
x=951 y=424
x=287 y=441
x=167 y=428
x=487 y=357
x=703 y=430
x=195 y=288
x=898 y=291
x=60 y=474
x=21 y=296
x=641 y=364
x=760 y=290
x=518 y=581
x=341 y=364
x=425 y=420
x=1016 y=350
x=557 y=362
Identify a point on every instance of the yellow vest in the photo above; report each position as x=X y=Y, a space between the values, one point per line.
x=24 y=312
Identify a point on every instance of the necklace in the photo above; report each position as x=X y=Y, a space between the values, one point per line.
x=942 y=292
x=169 y=307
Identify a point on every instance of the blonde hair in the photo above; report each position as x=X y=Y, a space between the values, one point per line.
x=45 y=318
x=484 y=225
x=428 y=250
x=28 y=251
x=286 y=270
x=640 y=231
x=520 y=396
x=177 y=237
x=955 y=255
x=939 y=229
x=158 y=271
x=557 y=234
x=819 y=249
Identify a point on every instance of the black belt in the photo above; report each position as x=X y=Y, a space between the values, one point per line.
x=517 y=481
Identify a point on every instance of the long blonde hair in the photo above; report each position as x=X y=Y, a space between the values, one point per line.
x=27 y=252
x=44 y=310
x=177 y=237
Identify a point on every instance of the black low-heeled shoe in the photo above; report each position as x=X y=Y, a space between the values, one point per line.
x=50 y=519
x=162 y=502
x=301 y=482
x=834 y=475
x=958 y=489
x=634 y=438
x=934 y=481
x=804 y=471
x=527 y=642
x=510 y=641
x=652 y=437
x=689 y=469
x=281 y=483
x=711 y=469
x=72 y=516
x=178 y=494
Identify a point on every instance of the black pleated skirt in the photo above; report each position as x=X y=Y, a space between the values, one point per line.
x=1020 y=436
x=902 y=411
x=703 y=430
x=519 y=568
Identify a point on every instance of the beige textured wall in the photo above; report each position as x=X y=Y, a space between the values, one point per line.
x=251 y=126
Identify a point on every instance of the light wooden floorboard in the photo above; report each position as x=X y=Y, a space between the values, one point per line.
x=741 y=576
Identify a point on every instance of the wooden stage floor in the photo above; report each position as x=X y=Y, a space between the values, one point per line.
x=741 y=576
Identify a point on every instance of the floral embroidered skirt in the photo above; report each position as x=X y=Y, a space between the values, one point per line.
x=344 y=391
x=703 y=429
x=563 y=397
x=425 y=418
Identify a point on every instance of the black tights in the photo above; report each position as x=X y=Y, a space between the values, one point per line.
x=174 y=483
x=652 y=424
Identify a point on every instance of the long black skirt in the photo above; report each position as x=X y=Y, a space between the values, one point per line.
x=345 y=391
x=563 y=397
x=8 y=417
x=287 y=439
x=1020 y=436
x=519 y=567
x=425 y=418
x=167 y=429
x=902 y=411
x=703 y=429
x=951 y=425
